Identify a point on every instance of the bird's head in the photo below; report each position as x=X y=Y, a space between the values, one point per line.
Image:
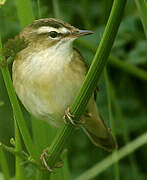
x=50 y=32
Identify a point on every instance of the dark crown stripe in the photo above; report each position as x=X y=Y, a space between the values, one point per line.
x=51 y=23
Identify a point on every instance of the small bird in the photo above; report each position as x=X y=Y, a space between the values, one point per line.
x=48 y=73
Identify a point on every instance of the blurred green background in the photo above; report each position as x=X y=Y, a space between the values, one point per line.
x=128 y=93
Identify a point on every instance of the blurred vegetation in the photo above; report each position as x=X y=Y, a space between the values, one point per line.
x=128 y=93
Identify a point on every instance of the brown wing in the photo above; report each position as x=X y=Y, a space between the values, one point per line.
x=87 y=67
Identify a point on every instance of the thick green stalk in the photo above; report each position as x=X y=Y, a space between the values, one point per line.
x=24 y=11
x=107 y=162
x=4 y=165
x=116 y=62
x=80 y=103
x=100 y=59
x=16 y=110
x=13 y=99
x=142 y=8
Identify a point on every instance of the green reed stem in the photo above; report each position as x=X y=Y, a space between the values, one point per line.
x=127 y=67
x=90 y=82
x=142 y=9
x=9 y=86
x=107 y=162
x=120 y=119
x=111 y=120
x=16 y=109
x=4 y=165
x=20 y=173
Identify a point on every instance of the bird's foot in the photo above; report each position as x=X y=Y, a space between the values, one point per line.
x=68 y=117
x=43 y=157
x=59 y=164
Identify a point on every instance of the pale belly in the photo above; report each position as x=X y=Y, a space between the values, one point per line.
x=47 y=94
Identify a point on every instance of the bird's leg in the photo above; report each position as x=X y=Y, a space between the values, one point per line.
x=68 y=117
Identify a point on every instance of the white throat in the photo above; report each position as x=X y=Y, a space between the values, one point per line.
x=52 y=59
x=61 y=51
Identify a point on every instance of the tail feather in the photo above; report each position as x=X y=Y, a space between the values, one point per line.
x=96 y=129
x=107 y=143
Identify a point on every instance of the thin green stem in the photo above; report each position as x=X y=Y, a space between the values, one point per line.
x=17 y=110
x=107 y=162
x=111 y=119
x=93 y=75
x=4 y=165
x=133 y=70
x=21 y=154
x=20 y=173
x=11 y=150
x=126 y=137
x=142 y=8
x=18 y=143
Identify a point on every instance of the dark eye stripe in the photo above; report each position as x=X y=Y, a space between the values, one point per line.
x=58 y=34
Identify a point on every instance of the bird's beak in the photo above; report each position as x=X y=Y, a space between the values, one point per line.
x=79 y=33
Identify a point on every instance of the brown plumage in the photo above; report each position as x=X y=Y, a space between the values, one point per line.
x=48 y=74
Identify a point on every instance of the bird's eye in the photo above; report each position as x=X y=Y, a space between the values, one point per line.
x=53 y=34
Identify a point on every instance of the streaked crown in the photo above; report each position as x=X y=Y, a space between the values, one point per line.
x=51 y=30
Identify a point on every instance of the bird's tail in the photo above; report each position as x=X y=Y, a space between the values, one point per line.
x=97 y=130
